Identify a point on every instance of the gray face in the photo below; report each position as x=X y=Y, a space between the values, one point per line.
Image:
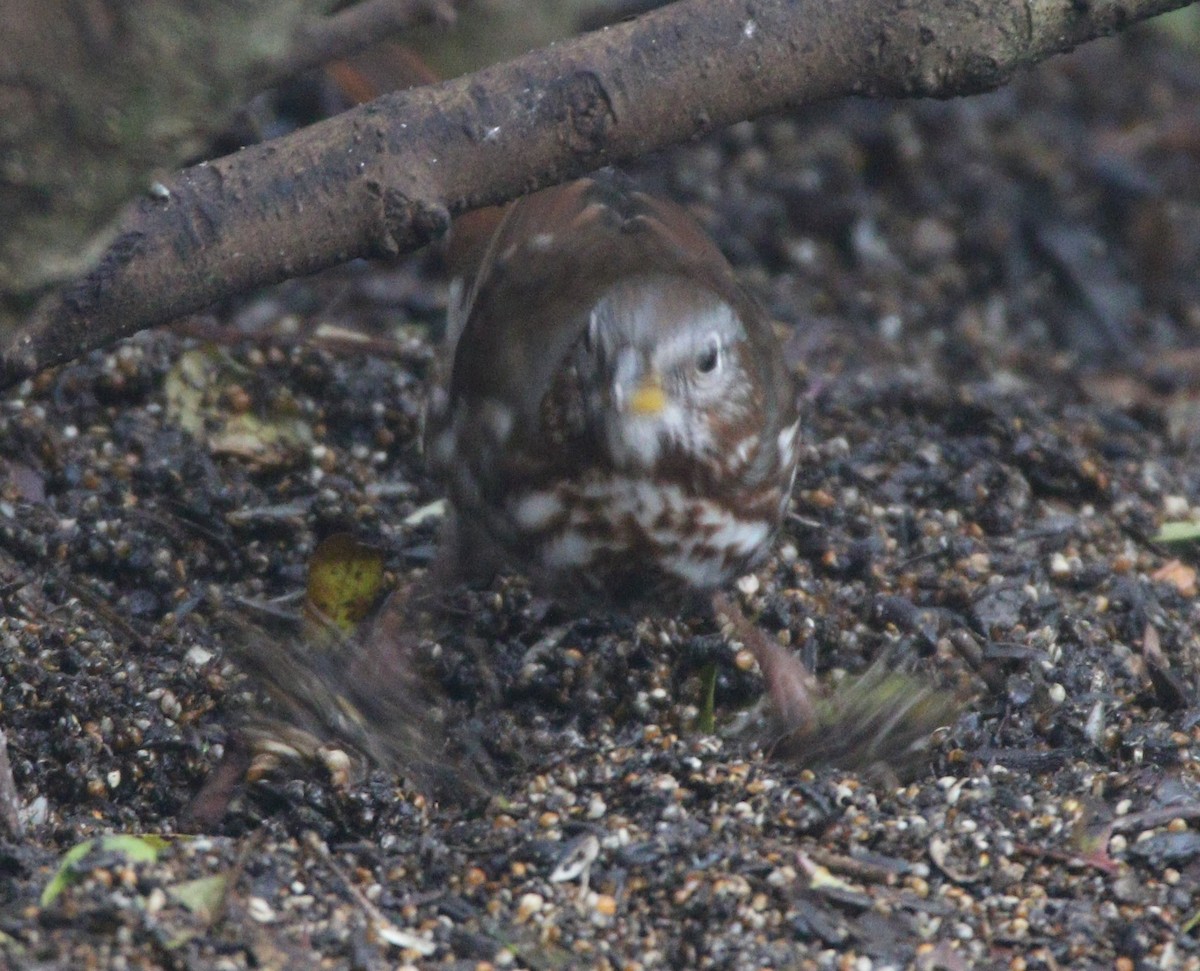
x=669 y=363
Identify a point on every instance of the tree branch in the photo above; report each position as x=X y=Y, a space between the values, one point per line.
x=388 y=176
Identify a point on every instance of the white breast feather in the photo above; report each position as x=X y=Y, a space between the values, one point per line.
x=699 y=559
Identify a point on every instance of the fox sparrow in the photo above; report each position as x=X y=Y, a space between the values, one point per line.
x=617 y=422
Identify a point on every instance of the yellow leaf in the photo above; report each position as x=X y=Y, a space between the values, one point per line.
x=345 y=578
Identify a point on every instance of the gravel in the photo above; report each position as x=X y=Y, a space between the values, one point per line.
x=995 y=307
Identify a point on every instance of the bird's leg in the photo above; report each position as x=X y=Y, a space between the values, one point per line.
x=789 y=683
x=465 y=555
x=880 y=721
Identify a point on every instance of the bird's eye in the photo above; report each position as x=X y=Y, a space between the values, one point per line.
x=709 y=359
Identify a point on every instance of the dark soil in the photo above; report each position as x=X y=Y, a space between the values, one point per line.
x=996 y=307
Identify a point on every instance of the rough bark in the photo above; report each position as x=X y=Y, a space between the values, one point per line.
x=389 y=175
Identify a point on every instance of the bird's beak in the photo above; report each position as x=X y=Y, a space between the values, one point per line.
x=649 y=399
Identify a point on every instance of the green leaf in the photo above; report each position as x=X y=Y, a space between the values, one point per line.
x=134 y=849
x=203 y=896
x=1182 y=531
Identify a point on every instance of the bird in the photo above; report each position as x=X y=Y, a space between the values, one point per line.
x=615 y=419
